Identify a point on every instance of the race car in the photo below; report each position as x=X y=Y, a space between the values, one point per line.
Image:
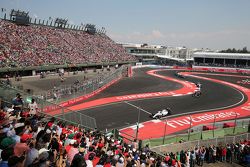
x=197 y=92
x=160 y=114
x=179 y=75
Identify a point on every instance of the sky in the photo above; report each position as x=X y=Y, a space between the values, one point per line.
x=214 y=24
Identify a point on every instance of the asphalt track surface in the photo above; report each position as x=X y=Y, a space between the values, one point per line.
x=139 y=83
x=121 y=114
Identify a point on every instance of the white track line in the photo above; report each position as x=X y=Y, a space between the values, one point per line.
x=137 y=107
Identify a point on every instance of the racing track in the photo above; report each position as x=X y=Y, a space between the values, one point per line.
x=120 y=114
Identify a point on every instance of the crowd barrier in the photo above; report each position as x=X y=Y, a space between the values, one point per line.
x=58 y=118
x=176 y=147
x=86 y=96
x=108 y=81
x=198 y=133
x=7 y=93
x=59 y=110
x=81 y=90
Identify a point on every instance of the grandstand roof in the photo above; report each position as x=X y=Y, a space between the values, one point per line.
x=173 y=58
x=140 y=46
x=222 y=55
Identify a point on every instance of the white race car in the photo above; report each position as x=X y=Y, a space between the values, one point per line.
x=162 y=113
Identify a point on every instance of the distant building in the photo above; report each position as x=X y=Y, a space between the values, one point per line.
x=181 y=54
x=147 y=54
x=153 y=54
x=235 y=60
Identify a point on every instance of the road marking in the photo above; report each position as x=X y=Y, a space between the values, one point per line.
x=156 y=121
x=139 y=108
x=134 y=127
x=177 y=95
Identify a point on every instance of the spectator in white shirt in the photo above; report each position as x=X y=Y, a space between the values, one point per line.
x=33 y=107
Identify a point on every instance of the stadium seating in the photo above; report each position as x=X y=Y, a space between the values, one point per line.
x=33 y=45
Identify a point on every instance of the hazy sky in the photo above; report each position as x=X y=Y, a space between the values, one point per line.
x=215 y=24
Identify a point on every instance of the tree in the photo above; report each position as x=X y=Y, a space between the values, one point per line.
x=244 y=50
x=229 y=50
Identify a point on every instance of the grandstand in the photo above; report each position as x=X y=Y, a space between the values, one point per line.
x=37 y=46
x=233 y=60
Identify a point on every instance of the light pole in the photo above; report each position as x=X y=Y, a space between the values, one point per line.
x=138 y=117
x=214 y=124
x=165 y=128
x=138 y=122
x=3 y=10
x=189 y=131
x=50 y=20
x=235 y=122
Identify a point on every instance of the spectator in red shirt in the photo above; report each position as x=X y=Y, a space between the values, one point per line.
x=223 y=154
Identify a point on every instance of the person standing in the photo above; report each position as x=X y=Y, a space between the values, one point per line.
x=214 y=153
x=223 y=154
x=229 y=157
x=17 y=104
x=192 y=158
x=33 y=107
x=202 y=156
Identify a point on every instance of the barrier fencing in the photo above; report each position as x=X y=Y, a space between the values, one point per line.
x=48 y=117
x=7 y=93
x=177 y=147
x=85 y=91
x=199 y=133
x=81 y=88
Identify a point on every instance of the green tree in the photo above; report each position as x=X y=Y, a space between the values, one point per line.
x=244 y=50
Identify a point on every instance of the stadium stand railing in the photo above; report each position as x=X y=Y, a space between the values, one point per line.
x=7 y=93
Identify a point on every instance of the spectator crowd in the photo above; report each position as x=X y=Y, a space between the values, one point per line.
x=30 y=139
x=36 y=45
